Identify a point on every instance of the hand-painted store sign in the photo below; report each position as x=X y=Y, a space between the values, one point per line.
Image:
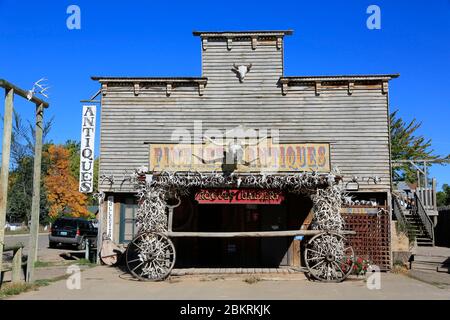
x=239 y=196
x=87 y=149
x=292 y=157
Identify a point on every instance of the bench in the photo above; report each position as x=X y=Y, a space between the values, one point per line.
x=16 y=265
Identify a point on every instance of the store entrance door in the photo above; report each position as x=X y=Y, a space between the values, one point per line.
x=240 y=251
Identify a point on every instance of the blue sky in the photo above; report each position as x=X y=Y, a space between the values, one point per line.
x=154 y=38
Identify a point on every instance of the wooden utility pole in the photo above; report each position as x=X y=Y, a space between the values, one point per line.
x=35 y=204
x=4 y=175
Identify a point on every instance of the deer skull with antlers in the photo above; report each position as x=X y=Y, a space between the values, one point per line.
x=241 y=70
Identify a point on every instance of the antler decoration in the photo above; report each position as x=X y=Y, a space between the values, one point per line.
x=151 y=215
x=38 y=88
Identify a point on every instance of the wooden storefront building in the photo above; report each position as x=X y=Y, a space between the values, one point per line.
x=349 y=114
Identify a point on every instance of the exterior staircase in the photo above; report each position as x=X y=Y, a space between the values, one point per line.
x=417 y=229
x=416 y=220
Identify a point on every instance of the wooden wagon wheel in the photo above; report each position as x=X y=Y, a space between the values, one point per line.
x=150 y=256
x=328 y=257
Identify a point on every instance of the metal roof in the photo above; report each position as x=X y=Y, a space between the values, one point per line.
x=149 y=79
x=242 y=33
x=339 y=77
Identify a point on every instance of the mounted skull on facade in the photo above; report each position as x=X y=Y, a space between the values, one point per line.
x=241 y=71
x=234 y=144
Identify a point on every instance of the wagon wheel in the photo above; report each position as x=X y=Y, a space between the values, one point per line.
x=328 y=257
x=150 y=256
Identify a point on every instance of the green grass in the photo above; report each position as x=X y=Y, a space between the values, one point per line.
x=8 y=232
x=43 y=264
x=47 y=282
x=46 y=264
x=85 y=262
x=8 y=290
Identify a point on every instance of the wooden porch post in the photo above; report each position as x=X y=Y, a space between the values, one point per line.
x=34 y=231
x=6 y=150
x=17 y=265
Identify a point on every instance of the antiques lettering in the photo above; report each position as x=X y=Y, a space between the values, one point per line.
x=87 y=149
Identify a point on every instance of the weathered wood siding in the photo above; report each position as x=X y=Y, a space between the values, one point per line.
x=356 y=125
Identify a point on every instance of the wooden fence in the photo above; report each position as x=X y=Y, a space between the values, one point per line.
x=372 y=238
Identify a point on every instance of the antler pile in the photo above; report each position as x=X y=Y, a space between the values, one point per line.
x=327 y=208
x=151 y=212
x=153 y=190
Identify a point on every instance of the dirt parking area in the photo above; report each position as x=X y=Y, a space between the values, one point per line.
x=112 y=283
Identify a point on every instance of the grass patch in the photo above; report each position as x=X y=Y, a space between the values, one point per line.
x=9 y=290
x=85 y=262
x=43 y=282
x=47 y=282
x=252 y=279
x=46 y=264
x=11 y=233
x=80 y=262
x=12 y=289
x=42 y=264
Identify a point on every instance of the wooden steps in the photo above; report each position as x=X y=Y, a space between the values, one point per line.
x=430 y=262
x=423 y=239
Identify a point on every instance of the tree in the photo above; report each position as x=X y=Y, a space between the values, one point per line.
x=74 y=156
x=405 y=145
x=443 y=197
x=23 y=138
x=74 y=148
x=20 y=190
x=62 y=187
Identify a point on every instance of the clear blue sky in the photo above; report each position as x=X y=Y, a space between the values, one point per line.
x=153 y=38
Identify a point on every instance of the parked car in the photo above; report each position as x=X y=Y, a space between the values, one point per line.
x=72 y=231
x=14 y=226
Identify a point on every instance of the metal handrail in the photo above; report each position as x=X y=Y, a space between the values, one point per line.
x=398 y=211
x=426 y=220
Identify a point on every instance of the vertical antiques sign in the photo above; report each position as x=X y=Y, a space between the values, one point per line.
x=110 y=217
x=87 y=149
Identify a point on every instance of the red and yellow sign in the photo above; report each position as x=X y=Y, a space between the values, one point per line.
x=239 y=196
x=264 y=157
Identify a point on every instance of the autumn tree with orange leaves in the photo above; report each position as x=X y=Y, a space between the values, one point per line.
x=62 y=187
